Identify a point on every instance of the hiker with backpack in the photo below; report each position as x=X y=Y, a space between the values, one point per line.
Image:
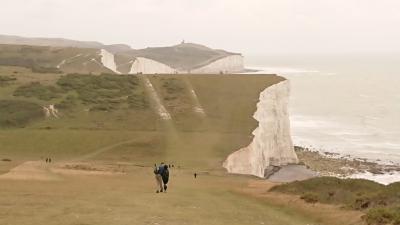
x=162 y=177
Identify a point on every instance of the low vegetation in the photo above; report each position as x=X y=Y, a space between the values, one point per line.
x=68 y=103
x=39 y=91
x=381 y=203
x=42 y=69
x=15 y=113
x=138 y=101
x=6 y=80
x=173 y=86
x=104 y=92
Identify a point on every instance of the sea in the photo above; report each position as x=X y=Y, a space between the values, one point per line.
x=343 y=103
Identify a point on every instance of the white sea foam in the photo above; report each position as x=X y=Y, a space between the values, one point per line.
x=281 y=70
x=387 y=178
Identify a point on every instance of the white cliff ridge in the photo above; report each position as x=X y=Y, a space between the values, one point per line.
x=149 y=66
x=229 y=64
x=272 y=144
x=108 y=61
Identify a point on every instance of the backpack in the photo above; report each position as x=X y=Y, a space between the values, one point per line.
x=165 y=176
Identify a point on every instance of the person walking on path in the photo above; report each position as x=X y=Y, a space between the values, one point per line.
x=162 y=176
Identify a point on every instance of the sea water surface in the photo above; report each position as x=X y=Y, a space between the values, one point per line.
x=347 y=104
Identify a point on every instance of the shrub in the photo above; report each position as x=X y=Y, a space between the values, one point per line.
x=138 y=101
x=173 y=85
x=37 y=90
x=105 y=92
x=18 y=113
x=382 y=202
x=68 y=103
x=310 y=198
x=5 y=80
x=380 y=216
x=42 y=69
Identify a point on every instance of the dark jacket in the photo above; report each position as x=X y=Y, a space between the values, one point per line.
x=165 y=174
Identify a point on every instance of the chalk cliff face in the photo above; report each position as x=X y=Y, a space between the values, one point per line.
x=228 y=64
x=108 y=61
x=149 y=66
x=272 y=144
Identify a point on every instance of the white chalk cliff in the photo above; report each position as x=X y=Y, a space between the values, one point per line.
x=149 y=66
x=272 y=144
x=108 y=61
x=228 y=64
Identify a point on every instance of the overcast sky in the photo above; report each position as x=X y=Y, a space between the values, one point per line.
x=247 y=26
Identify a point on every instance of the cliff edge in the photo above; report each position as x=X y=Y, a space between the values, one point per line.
x=272 y=143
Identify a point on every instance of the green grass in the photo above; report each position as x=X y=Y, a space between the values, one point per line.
x=39 y=91
x=44 y=59
x=15 y=113
x=6 y=80
x=383 y=216
x=104 y=92
x=380 y=202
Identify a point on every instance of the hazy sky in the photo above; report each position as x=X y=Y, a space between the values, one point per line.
x=247 y=26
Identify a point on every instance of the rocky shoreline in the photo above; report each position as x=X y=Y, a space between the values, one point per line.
x=333 y=164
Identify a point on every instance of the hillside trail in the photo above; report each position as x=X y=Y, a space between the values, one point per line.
x=31 y=170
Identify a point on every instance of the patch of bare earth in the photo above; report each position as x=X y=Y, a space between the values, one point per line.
x=31 y=170
x=41 y=171
x=86 y=169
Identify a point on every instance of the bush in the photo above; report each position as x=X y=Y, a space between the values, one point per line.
x=382 y=202
x=310 y=198
x=105 y=92
x=68 y=103
x=381 y=216
x=334 y=190
x=138 y=101
x=37 y=90
x=18 y=113
x=173 y=86
x=5 y=80
x=41 y=69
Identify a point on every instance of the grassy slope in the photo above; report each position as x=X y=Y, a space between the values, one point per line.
x=43 y=58
x=193 y=143
x=381 y=203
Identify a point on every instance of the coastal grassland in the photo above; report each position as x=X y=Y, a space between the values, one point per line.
x=380 y=203
x=18 y=113
x=131 y=199
x=129 y=138
x=119 y=106
x=52 y=60
x=6 y=80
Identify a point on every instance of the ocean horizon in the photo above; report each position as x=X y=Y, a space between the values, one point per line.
x=345 y=104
